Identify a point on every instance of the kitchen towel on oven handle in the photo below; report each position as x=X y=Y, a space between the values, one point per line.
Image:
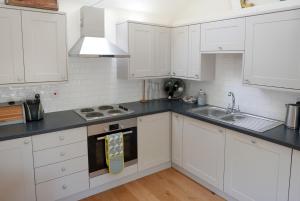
x=114 y=151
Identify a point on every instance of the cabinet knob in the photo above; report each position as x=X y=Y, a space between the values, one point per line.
x=221 y=131
x=247 y=81
x=63 y=169
x=61 y=138
x=19 y=79
x=140 y=120
x=26 y=142
x=197 y=76
x=253 y=141
x=62 y=154
x=174 y=73
x=64 y=187
x=132 y=75
x=220 y=48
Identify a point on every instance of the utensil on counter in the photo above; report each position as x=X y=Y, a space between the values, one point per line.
x=12 y=113
x=34 y=109
x=292 y=116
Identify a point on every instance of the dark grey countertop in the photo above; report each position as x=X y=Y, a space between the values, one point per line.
x=68 y=119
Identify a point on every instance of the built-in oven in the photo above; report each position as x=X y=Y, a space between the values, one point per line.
x=96 y=144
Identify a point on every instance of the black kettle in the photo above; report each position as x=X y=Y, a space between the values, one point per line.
x=33 y=109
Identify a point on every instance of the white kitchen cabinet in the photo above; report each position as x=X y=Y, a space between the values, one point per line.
x=180 y=51
x=201 y=67
x=154 y=137
x=226 y=35
x=295 y=177
x=272 y=50
x=45 y=49
x=149 y=49
x=203 y=151
x=177 y=135
x=162 y=66
x=16 y=170
x=11 y=48
x=141 y=49
x=256 y=170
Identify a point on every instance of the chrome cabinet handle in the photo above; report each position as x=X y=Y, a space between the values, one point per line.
x=26 y=142
x=197 y=76
x=220 y=48
x=174 y=73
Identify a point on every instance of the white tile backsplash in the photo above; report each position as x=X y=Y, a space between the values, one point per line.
x=259 y=101
x=91 y=82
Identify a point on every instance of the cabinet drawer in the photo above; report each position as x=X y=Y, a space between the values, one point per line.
x=226 y=35
x=62 y=169
x=62 y=187
x=59 y=138
x=59 y=154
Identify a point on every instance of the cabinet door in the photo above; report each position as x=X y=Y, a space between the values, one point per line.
x=11 y=49
x=272 y=50
x=194 y=52
x=141 y=48
x=180 y=48
x=203 y=151
x=295 y=177
x=16 y=171
x=162 y=51
x=45 y=50
x=153 y=140
x=227 y=35
x=177 y=129
x=256 y=170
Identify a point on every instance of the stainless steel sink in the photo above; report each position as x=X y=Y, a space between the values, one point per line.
x=251 y=122
x=210 y=111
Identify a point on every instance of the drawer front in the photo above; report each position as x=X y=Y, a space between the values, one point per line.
x=59 y=138
x=59 y=154
x=62 y=169
x=62 y=187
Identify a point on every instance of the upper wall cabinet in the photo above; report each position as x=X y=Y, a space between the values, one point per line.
x=45 y=49
x=11 y=50
x=180 y=48
x=32 y=47
x=187 y=61
x=272 y=50
x=149 y=49
x=227 y=35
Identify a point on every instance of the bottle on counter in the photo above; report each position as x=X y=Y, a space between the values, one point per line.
x=202 y=98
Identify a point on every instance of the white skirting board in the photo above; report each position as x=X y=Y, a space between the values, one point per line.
x=203 y=183
x=116 y=183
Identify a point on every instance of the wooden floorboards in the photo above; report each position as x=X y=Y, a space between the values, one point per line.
x=168 y=185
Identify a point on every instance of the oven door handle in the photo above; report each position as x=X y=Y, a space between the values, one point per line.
x=124 y=133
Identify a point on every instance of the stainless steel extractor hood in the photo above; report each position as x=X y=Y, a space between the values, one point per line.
x=93 y=43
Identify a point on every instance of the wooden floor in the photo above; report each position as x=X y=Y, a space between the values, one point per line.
x=168 y=185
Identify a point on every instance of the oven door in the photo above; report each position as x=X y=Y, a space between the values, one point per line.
x=96 y=150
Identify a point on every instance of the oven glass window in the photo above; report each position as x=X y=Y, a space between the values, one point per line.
x=96 y=149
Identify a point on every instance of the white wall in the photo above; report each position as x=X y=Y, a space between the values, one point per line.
x=264 y=102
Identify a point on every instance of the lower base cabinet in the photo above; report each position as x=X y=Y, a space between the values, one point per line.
x=256 y=170
x=16 y=170
x=295 y=177
x=203 y=151
x=154 y=136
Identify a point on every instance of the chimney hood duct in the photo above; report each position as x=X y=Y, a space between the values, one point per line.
x=93 y=43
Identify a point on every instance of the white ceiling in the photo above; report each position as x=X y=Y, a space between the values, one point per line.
x=164 y=7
